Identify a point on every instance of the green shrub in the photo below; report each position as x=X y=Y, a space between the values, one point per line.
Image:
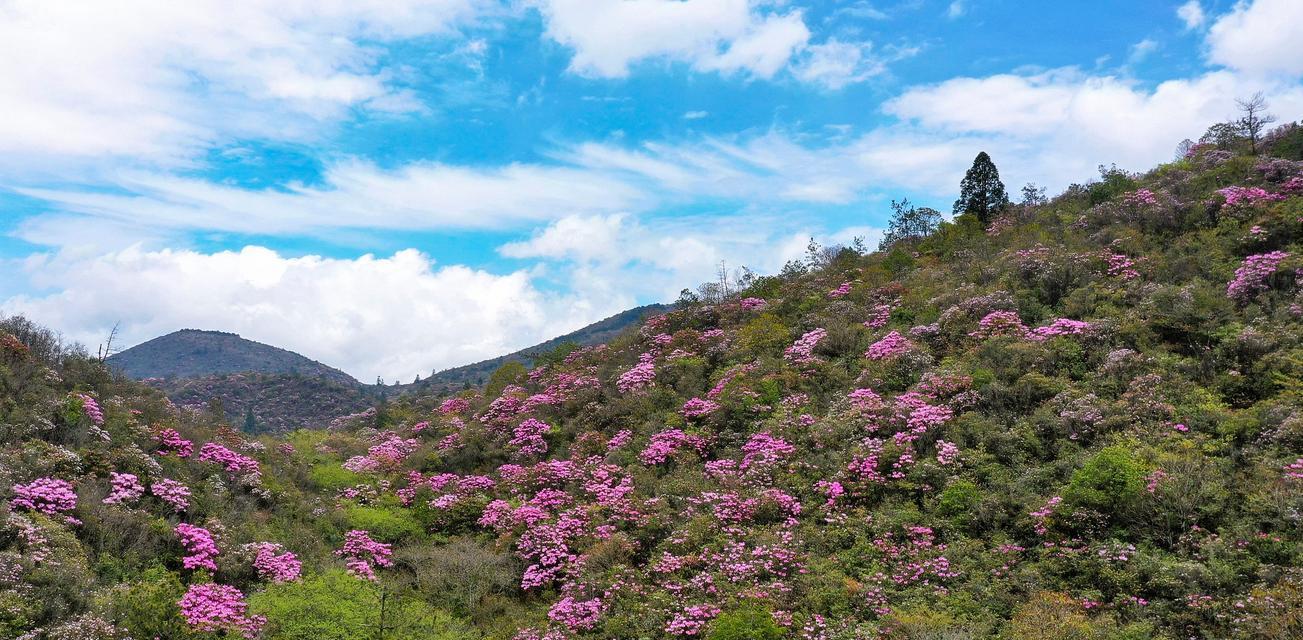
x=745 y=624
x=1108 y=482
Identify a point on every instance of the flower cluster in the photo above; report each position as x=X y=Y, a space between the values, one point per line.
x=528 y=437
x=92 y=409
x=999 y=323
x=1139 y=198
x=576 y=615
x=752 y=304
x=842 y=290
x=274 y=563
x=699 y=408
x=362 y=554
x=890 y=346
x=210 y=607
x=46 y=495
x=231 y=461
x=665 y=443
x=640 y=376
x=199 y=544
x=801 y=351
x=1246 y=195
x=171 y=442
x=947 y=453
x=692 y=620
x=1251 y=277
x=172 y=492
x=1121 y=266
x=126 y=488
x=1060 y=327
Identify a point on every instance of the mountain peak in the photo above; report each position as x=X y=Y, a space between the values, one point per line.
x=202 y=352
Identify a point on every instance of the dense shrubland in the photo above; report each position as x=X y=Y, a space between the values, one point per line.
x=1083 y=419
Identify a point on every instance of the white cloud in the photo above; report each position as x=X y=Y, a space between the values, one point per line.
x=955 y=10
x=158 y=79
x=657 y=258
x=393 y=316
x=1260 y=37
x=1056 y=126
x=1142 y=49
x=695 y=115
x=835 y=64
x=608 y=36
x=356 y=195
x=1191 y=13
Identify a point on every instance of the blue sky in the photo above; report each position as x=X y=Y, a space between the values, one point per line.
x=395 y=187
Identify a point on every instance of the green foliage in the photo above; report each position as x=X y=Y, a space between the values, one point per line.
x=146 y=607
x=745 y=624
x=387 y=524
x=1110 y=481
x=338 y=606
x=508 y=373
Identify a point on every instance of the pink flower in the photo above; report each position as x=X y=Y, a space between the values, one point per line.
x=1247 y=196
x=641 y=376
x=46 y=495
x=698 y=408
x=801 y=352
x=576 y=615
x=1251 y=278
x=890 y=346
x=999 y=323
x=126 y=488
x=362 y=554
x=92 y=409
x=841 y=291
x=528 y=437
x=172 y=492
x=231 y=461
x=212 y=607
x=171 y=442
x=274 y=563
x=692 y=620
x=1060 y=327
x=947 y=453
x=198 y=543
x=665 y=443
x=752 y=304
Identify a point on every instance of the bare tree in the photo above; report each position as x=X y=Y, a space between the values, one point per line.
x=106 y=349
x=1255 y=118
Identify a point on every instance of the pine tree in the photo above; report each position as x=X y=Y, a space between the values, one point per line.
x=250 y=423
x=981 y=192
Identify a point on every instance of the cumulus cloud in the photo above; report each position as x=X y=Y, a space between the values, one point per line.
x=1260 y=37
x=1191 y=13
x=393 y=316
x=607 y=36
x=658 y=257
x=157 y=80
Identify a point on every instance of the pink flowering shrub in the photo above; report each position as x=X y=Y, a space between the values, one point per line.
x=274 y=563
x=999 y=323
x=126 y=488
x=1252 y=276
x=666 y=443
x=1246 y=196
x=752 y=304
x=528 y=437
x=362 y=554
x=641 y=376
x=801 y=352
x=219 y=608
x=699 y=408
x=890 y=346
x=576 y=615
x=199 y=545
x=172 y=492
x=92 y=409
x=692 y=620
x=171 y=443
x=231 y=461
x=842 y=290
x=1059 y=327
x=47 y=495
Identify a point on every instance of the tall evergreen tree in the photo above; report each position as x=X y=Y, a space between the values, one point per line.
x=250 y=423
x=981 y=192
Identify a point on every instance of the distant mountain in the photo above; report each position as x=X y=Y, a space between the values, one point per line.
x=283 y=390
x=191 y=353
x=477 y=373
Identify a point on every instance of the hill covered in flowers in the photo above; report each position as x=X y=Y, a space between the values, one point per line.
x=1083 y=419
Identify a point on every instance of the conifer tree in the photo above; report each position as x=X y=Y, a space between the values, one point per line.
x=981 y=191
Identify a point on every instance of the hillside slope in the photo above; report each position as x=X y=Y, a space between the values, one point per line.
x=190 y=353
x=1083 y=420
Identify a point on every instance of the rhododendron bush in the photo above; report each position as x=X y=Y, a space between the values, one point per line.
x=1084 y=414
